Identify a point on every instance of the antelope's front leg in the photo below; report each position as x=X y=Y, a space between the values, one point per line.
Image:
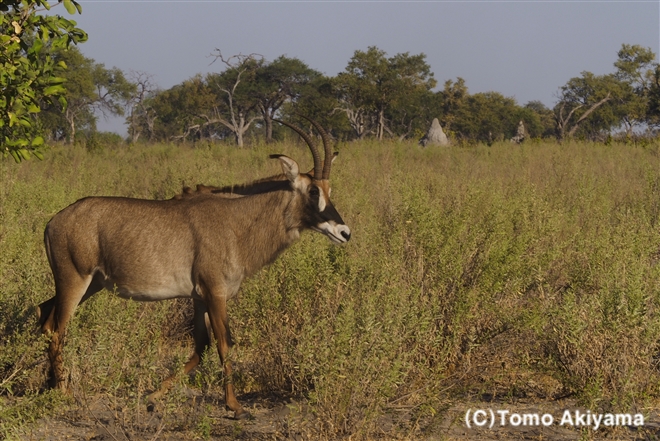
x=202 y=342
x=216 y=303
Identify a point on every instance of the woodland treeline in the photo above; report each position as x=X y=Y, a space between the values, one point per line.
x=376 y=96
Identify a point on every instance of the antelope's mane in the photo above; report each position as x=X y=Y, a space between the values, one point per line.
x=264 y=185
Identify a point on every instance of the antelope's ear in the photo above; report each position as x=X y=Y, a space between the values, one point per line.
x=289 y=167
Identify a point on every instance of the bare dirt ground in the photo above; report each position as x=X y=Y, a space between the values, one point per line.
x=100 y=419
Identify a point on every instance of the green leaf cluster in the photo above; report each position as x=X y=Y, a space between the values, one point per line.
x=29 y=76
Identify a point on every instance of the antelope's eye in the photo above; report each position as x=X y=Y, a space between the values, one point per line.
x=314 y=191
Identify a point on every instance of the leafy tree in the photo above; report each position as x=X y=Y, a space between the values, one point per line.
x=545 y=125
x=319 y=102
x=373 y=83
x=358 y=89
x=653 y=109
x=592 y=105
x=277 y=82
x=29 y=76
x=412 y=81
x=411 y=114
x=636 y=67
x=90 y=88
x=182 y=111
x=451 y=99
x=227 y=103
x=214 y=107
x=488 y=117
x=582 y=105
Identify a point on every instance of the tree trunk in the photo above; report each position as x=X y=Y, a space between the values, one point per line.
x=562 y=123
x=587 y=113
x=150 y=125
x=356 y=120
x=240 y=129
x=269 y=126
x=134 y=131
x=72 y=126
x=381 y=124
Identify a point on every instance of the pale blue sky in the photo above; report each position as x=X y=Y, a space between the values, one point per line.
x=522 y=49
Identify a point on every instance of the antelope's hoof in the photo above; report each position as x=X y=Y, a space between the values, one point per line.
x=242 y=414
x=152 y=401
x=63 y=386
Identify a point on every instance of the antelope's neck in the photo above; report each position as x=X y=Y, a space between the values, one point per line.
x=271 y=222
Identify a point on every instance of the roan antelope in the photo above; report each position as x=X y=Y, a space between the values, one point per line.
x=201 y=244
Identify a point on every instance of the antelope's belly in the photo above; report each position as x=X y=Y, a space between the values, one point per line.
x=170 y=288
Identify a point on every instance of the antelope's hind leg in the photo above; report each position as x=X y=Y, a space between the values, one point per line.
x=217 y=306
x=45 y=308
x=54 y=315
x=202 y=341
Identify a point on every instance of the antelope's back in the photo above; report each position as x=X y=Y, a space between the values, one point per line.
x=145 y=248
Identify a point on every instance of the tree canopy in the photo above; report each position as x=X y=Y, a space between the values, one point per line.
x=373 y=86
x=91 y=88
x=29 y=74
x=376 y=95
x=592 y=106
x=393 y=96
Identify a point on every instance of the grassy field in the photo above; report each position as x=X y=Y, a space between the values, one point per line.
x=508 y=271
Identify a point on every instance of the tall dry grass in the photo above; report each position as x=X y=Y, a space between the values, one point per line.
x=509 y=270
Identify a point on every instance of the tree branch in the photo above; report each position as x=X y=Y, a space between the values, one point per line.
x=588 y=112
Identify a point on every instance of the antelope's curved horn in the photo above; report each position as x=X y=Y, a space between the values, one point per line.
x=310 y=143
x=326 y=146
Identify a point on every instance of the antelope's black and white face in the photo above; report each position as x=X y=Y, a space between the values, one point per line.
x=323 y=216
x=319 y=213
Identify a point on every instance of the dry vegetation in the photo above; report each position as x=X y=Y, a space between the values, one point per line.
x=510 y=272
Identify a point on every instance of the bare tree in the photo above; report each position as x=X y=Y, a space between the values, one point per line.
x=240 y=106
x=141 y=115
